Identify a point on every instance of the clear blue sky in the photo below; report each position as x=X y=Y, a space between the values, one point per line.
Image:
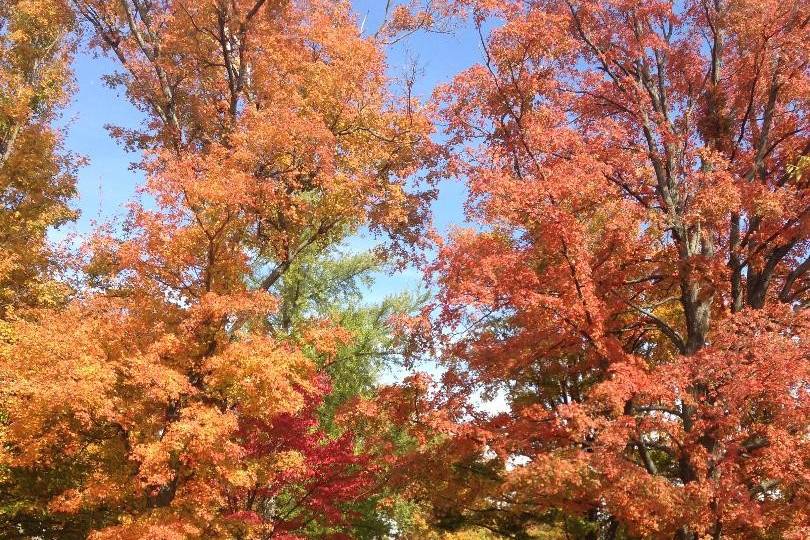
x=106 y=184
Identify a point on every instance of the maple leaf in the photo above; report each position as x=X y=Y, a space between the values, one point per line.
x=635 y=285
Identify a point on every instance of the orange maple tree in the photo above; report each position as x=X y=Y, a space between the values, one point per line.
x=637 y=289
x=37 y=175
x=635 y=292
x=162 y=402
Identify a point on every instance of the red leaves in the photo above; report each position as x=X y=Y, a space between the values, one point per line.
x=633 y=195
x=634 y=293
x=323 y=474
x=270 y=135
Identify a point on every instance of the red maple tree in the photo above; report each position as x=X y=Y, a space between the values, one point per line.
x=638 y=285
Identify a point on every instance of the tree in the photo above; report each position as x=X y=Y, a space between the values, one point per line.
x=166 y=401
x=37 y=179
x=37 y=176
x=324 y=293
x=638 y=285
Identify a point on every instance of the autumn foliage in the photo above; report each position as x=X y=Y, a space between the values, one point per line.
x=162 y=402
x=37 y=175
x=637 y=290
x=620 y=339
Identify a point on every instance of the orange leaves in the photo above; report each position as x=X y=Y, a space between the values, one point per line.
x=633 y=293
x=555 y=480
x=630 y=171
x=158 y=527
x=325 y=338
x=234 y=308
x=265 y=378
x=717 y=194
x=98 y=492
x=474 y=268
x=164 y=395
x=413 y=15
x=37 y=173
x=200 y=440
x=285 y=124
x=655 y=507
x=57 y=384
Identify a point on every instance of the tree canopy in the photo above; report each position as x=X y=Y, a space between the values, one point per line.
x=631 y=291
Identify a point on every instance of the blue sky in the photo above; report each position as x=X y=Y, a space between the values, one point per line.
x=106 y=184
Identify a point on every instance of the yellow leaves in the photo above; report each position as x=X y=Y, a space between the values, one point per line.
x=420 y=529
x=799 y=170
x=10 y=261
x=264 y=470
x=33 y=58
x=156 y=382
x=98 y=490
x=37 y=177
x=242 y=478
x=57 y=383
x=263 y=376
x=7 y=332
x=199 y=440
x=202 y=435
x=289 y=461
